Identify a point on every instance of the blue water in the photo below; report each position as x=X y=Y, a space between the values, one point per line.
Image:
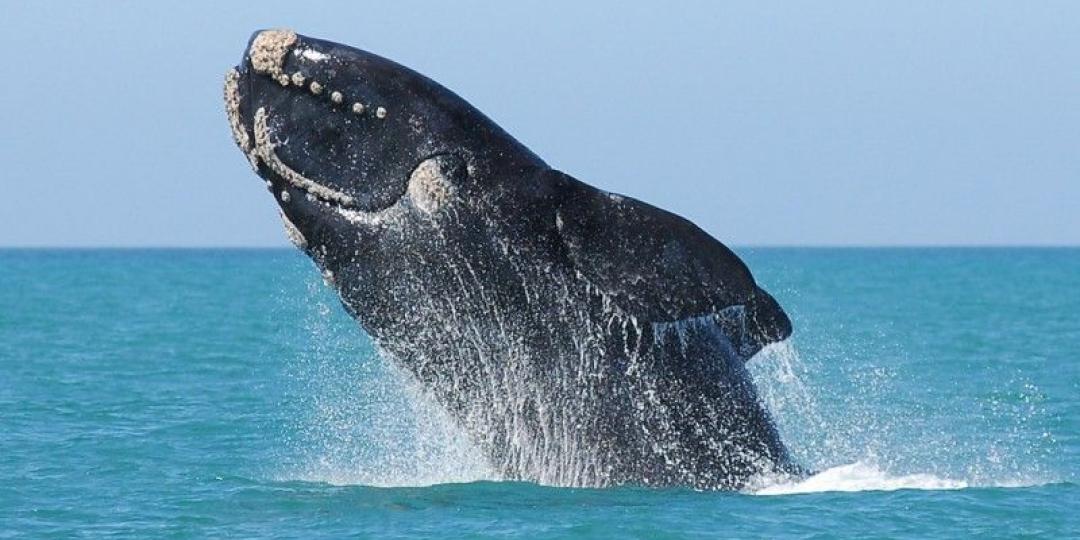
x=225 y=393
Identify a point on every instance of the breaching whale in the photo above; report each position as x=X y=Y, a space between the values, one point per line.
x=580 y=337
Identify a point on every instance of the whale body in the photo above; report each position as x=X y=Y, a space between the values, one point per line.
x=580 y=337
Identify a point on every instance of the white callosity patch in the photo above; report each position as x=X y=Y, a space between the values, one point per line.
x=268 y=51
x=294 y=234
x=236 y=125
x=312 y=54
x=428 y=187
x=265 y=149
x=232 y=108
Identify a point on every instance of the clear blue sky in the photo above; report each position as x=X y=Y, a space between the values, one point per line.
x=794 y=123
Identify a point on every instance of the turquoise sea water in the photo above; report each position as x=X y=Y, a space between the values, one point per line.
x=191 y=393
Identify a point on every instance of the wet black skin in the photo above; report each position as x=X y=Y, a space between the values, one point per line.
x=541 y=312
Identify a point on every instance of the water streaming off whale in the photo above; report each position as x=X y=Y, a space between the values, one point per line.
x=359 y=420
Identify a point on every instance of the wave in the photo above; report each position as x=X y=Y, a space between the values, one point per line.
x=860 y=476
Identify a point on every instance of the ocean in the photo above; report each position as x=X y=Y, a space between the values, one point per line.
x=210 y=393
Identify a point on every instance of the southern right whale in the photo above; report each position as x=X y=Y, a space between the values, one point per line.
x=580 y=337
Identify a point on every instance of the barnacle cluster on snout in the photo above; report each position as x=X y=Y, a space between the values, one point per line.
x=236 y=123
x=268 y=52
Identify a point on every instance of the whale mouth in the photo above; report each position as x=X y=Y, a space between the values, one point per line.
x=264 y=150
x=258 y=145
x=308 y=115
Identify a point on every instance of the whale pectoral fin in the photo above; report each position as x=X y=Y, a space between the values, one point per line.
x=766 y=321
x=656 y=263
x=661 y=267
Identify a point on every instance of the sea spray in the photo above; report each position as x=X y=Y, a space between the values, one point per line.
x=862 y=426
x=823 y=425
x=356 y=419
x=359 y=419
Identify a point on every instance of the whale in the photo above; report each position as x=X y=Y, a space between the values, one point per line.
x=578 y=337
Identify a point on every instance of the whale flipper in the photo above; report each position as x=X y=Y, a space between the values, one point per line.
x=667 y=269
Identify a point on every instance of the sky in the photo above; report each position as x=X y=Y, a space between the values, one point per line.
x=788 y=123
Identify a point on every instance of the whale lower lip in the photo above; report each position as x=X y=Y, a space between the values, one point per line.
x=257 y=147
x=264 y=149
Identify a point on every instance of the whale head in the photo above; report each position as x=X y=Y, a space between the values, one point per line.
x=345 y=138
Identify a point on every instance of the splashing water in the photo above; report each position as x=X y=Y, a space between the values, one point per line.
x=866 y=435
x=363 y=421
x=859 y=477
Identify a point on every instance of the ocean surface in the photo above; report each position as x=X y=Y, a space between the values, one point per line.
x=211 y=393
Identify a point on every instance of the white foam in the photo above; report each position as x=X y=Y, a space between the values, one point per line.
x=860 y=476
x=313 y=55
